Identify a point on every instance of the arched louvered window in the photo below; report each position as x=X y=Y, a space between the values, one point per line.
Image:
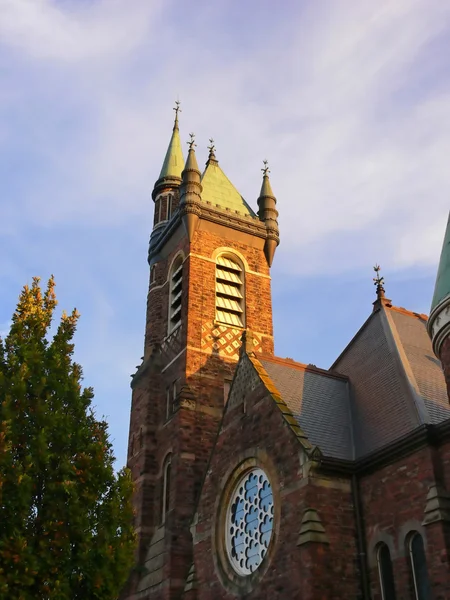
x=165 y=491
x=419 y=569
x=386 y=573
x=229 y=291
x=176 y=289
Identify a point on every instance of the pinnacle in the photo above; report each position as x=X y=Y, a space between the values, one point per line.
x=266 y=188
x=174 y=160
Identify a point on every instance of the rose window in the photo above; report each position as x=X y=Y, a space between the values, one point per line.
x=249 y=522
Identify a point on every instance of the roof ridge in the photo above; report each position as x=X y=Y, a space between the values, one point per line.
x=407 y=372
x=290 y=362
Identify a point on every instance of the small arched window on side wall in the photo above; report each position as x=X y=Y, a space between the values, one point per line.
x=165 y=490
x=229 y=291
x=175 y=295
x=385 y=572
x=418 y=564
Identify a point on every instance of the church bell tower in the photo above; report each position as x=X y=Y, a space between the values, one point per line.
x=209 y=265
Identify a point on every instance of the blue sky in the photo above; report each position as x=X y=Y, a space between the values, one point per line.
x=349 y=101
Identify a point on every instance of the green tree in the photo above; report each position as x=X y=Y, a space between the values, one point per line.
x=66 y=517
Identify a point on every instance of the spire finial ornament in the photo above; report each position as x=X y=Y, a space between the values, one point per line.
x=378 y=282
x=177 y=110
x=191 y=143
x=211 y=148
x=265 y=169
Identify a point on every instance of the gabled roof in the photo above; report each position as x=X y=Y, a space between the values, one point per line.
x=397 y=383
x=319 y=401
x=218 y=190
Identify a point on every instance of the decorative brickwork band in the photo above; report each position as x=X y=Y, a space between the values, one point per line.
x=312 y=530
x=438 y=505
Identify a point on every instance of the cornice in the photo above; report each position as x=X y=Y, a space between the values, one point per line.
x=238 y=222
x=426 y=435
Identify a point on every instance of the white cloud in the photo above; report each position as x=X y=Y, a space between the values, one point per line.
x=349 y=101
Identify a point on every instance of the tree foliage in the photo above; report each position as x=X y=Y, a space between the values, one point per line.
x=65 y=516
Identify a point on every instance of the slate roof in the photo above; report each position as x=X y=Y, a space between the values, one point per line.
x=318 y=400
x=385 y=384
x=219 y=190
x=397 y=383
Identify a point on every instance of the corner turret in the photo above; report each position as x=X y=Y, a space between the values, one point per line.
x=166 y=189
x=268 y=214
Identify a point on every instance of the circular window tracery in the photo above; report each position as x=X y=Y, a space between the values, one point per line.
x=249 y=522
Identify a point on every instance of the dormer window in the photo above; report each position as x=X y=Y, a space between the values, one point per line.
x=176 y=289
x=229 y=291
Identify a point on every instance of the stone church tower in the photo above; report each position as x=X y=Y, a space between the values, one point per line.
x=209 y=259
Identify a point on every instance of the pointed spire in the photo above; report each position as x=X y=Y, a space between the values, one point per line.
x=268 y=214
x=191 y=162
x=190 y=191
x=212 y=156
x=266 y=188
x=439 y=321
x=174 y=160
x=218 y=189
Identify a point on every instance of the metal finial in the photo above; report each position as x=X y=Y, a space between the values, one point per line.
x=378 y=282
x=266 y=169
x=191 y=142
x=211 y=148
x=177 y=110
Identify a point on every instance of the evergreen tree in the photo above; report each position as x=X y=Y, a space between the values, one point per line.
x=65 y=517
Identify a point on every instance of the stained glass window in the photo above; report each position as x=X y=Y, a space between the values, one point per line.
x=249 y=522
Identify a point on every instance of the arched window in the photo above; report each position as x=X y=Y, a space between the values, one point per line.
x=385 y=572
x=165 y=491
x=176 y=288
x=419 y=569
x=152 y=274
x=229 y=291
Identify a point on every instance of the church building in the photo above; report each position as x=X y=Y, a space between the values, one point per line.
x=259 y=477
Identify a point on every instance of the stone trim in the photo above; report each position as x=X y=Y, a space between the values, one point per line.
x=232 y=251
x=239 y=222
x=285 y=411
x=230 y=579
x=312 y=530
x=437 y=507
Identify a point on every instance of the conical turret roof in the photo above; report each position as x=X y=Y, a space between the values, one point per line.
x=174 y=160
x=266 y=188
x=442 y=287
x=219 y=190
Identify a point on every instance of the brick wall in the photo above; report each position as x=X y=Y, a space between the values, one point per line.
x=199 y=358
x=393 y=504
x=311 y=571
